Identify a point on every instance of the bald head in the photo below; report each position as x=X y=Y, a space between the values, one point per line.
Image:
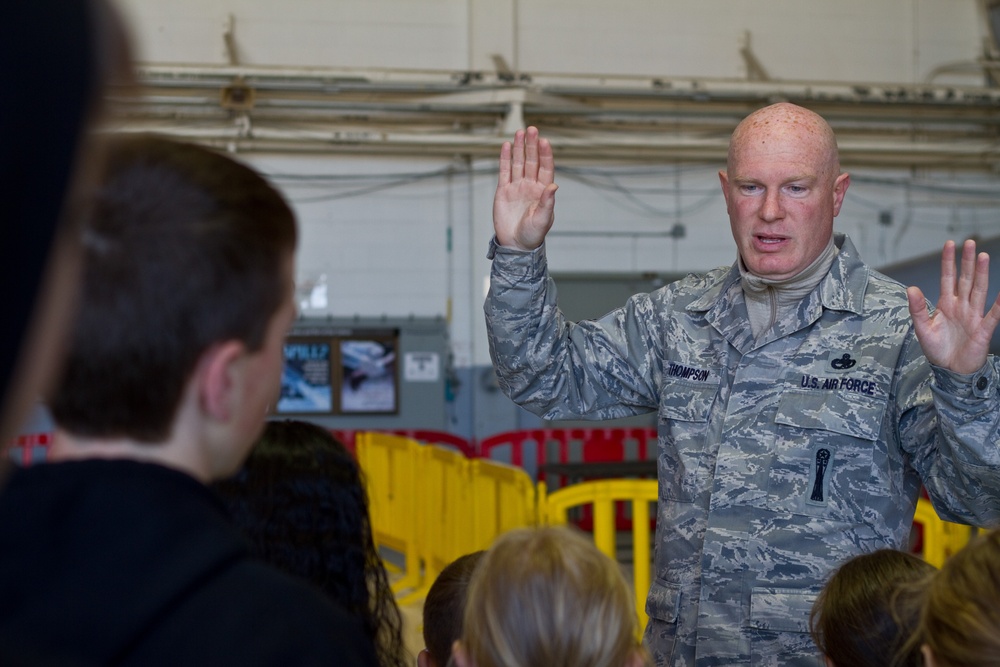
x=783 y=188
x=782 y=124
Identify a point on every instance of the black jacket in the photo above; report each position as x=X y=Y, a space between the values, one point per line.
x=117 y=562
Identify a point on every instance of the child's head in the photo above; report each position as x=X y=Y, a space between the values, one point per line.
x=185 y=250
x=444 y=607
x=547 y=597
x=301 y=500
x=854 y=622
x=960 y=620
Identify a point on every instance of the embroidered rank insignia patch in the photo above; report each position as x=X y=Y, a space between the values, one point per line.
x=818 y=489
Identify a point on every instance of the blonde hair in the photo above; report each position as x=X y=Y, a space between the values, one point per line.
x=546 y=597
x=960 y=620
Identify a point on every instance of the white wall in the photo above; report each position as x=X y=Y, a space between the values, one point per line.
x=900 y=41
x=378 y=229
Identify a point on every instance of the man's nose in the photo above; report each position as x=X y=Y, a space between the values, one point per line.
x=772 y=208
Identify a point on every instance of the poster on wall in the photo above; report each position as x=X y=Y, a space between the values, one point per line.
x=368 y=380
x=307 y=378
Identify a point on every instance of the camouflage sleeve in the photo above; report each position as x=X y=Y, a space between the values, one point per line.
x=559 y=369
x=953 y=437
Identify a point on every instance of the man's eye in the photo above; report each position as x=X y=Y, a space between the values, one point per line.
x=749 y=189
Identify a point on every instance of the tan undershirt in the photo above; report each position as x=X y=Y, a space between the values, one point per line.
x=768 y=299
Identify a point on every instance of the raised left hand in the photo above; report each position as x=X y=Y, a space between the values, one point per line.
x=957 y=335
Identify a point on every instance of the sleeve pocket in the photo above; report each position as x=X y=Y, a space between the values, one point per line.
x=780 y=609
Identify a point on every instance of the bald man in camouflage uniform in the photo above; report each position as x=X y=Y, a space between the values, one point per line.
x=798 y=413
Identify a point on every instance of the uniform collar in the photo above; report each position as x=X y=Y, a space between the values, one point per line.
x=843 y=287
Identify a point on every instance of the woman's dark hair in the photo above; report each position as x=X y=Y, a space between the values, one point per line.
x=854 y=621
x=300 y=499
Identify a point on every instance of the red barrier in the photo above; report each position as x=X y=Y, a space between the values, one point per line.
x=427 y=436
x=532 y=449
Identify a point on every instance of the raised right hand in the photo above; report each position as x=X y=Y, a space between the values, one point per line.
x=524 y=204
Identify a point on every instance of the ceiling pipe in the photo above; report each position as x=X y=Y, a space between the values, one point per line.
x=587 y=117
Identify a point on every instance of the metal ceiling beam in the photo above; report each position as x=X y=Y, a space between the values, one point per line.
x=587 y=117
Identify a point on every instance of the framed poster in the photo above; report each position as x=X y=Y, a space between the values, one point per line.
x=369 y=379
x=307 y=377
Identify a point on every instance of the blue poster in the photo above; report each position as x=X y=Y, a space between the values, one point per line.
x=306 y=383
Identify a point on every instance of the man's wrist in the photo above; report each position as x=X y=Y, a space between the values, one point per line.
x=981 y=384
x=496 y=247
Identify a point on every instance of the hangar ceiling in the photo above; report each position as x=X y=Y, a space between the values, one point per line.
x=592 y=118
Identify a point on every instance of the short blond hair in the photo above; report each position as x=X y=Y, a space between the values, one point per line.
x=546 y=597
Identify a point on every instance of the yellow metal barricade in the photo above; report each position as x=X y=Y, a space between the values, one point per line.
x=941 y=538
x=503 y=498
x=391 y=467
x=445 y=512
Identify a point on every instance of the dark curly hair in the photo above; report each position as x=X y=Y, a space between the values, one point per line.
x=300 y=499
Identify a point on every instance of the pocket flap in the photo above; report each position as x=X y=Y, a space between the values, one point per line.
x=848 y=414
x=686 y=402
x=664 y=602
x=780 y=609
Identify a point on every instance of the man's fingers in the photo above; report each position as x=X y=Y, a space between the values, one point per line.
x=531 y=154
x=992 y=317
x=546 y=164
x=547 y=202
x=918 y=306
x=948 y=269
x=503 y=177
x=517 y=157
x=980 y=283
x=528 y=157
x=968 y=270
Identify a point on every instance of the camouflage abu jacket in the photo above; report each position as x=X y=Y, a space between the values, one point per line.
x=778 y=458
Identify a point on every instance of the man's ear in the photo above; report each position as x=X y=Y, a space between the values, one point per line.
x=839 y=190
x=219 y=377
x=724 y=181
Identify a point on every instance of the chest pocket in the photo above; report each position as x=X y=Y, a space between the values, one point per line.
x=823 y=452
x=685 y=410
